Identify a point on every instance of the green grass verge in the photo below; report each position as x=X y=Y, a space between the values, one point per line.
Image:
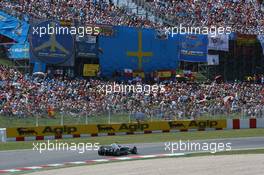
x=148 y=138
x=251 y=151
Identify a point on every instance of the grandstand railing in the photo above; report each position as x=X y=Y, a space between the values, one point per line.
x=41 y=117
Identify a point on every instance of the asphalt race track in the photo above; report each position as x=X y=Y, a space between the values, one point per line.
x=25 y=158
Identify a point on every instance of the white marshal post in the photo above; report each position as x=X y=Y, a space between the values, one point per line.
x=2 y=134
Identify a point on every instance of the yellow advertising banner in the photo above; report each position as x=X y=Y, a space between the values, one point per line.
x=197 y=124
x=247 y=40
x=164 y=74
x=51 y=130
x=114 y=128
x=131 y=127
x=139 y=74
x=90 y=70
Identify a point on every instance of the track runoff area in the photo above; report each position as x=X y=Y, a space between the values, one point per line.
x=62 y=146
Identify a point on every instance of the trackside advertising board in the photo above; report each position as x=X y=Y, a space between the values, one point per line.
x=113 y=128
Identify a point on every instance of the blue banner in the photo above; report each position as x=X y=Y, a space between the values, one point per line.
x=13 y=28
x=39 y=67
x=261 y=40
x=193 y=48
x=86 y=46
x=137 y=49
x=49 y=46
x=19 y=51
x=233 y=36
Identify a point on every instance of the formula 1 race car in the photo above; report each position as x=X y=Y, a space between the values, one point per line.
x=116 y=150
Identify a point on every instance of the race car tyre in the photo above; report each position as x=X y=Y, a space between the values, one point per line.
x=134 y=150
x=117 y=153
x=101 y=153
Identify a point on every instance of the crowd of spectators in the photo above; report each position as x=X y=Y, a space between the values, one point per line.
x=25 y=96
x=244 y=16
x=84 y=11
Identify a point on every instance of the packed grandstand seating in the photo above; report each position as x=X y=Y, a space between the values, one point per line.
x=241 y=16
x=84 y=11
x=25 y=96
x=22 y=95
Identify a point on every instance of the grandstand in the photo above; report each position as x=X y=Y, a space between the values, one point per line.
x=79 y=79
x=132 y=48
